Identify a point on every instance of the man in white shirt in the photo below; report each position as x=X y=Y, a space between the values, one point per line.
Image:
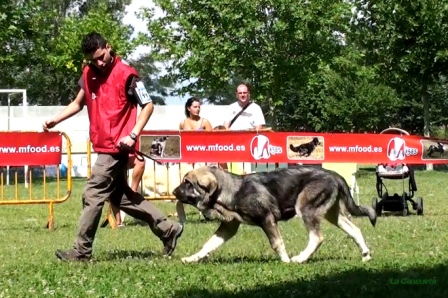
x=251 y=118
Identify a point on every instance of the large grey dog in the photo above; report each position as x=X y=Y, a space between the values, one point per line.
x=265 y=198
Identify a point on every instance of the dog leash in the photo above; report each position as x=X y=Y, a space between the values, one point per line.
x=139 y=155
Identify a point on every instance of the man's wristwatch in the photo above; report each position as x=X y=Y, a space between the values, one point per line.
x=133 y=136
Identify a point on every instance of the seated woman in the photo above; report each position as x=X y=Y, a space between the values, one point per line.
x=192 y=122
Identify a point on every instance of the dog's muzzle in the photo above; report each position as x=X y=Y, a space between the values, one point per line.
x=180 y=195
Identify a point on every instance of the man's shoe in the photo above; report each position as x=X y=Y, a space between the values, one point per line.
x=169 y=245
x=70 y=255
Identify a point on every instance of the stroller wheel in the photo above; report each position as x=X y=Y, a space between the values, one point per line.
x=405 y=211
x=419 y=206
x=405 y=204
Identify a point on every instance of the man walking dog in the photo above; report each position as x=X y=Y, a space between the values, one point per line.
x=111 y=92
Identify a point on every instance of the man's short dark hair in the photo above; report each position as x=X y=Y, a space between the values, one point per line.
x=92 y=42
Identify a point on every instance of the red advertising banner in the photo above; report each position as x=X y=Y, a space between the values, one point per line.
x=291 y=147
x=30 y=148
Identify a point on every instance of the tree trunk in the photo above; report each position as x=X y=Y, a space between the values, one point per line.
x=271 y=117
x=426 y=119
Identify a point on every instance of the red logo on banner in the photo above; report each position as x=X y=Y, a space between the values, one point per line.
x=260 y=148
x=397 y=149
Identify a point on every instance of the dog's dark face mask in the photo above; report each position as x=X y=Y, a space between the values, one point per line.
x=186 y=193
x=195 y=191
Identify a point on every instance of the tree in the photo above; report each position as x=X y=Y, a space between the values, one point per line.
x=41 y=49
x=21 y=25
x=274 y=45
x=157 y=87
x=409 y=39
x=293 y=54
x=343 y=95
x=224 y=96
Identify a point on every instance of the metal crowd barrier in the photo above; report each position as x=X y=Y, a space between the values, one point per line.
x=18 y=194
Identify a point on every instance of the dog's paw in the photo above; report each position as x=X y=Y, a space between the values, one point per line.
x=366 y=257
x=194 y=259
x=188 y=260
x=191 y=259
x=286 y=260
x=299 y=259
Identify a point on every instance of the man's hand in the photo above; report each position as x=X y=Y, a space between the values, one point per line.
x=126 y=143
x=48 y=124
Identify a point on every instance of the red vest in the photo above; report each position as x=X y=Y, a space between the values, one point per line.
x=112 y=116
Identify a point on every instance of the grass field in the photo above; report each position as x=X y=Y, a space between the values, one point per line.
x=128 y=263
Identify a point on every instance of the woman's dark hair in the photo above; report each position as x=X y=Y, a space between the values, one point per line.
x=92 y=42
x=219 y=127
x=189 y=103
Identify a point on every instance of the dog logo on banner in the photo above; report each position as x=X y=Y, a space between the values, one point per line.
x=397 y=149
x=260 y=148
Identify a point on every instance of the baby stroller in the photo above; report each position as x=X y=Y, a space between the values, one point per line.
x=396 y=171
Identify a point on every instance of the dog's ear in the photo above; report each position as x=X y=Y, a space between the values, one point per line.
x=204 y=181
x=208 y=184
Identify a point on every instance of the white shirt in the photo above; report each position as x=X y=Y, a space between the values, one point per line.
x=251 y=117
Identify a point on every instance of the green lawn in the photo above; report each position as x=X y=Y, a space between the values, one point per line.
x=128 y=262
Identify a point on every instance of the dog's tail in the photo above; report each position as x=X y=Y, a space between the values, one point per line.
x=351 y=206
x=293 y=149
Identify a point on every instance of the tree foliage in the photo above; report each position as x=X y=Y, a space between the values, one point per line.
x=158 y=87
x=40 y=44
x=312 y=65
x=408 y=40
x=292 y=53
x=211 y=41
x=344 y=95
